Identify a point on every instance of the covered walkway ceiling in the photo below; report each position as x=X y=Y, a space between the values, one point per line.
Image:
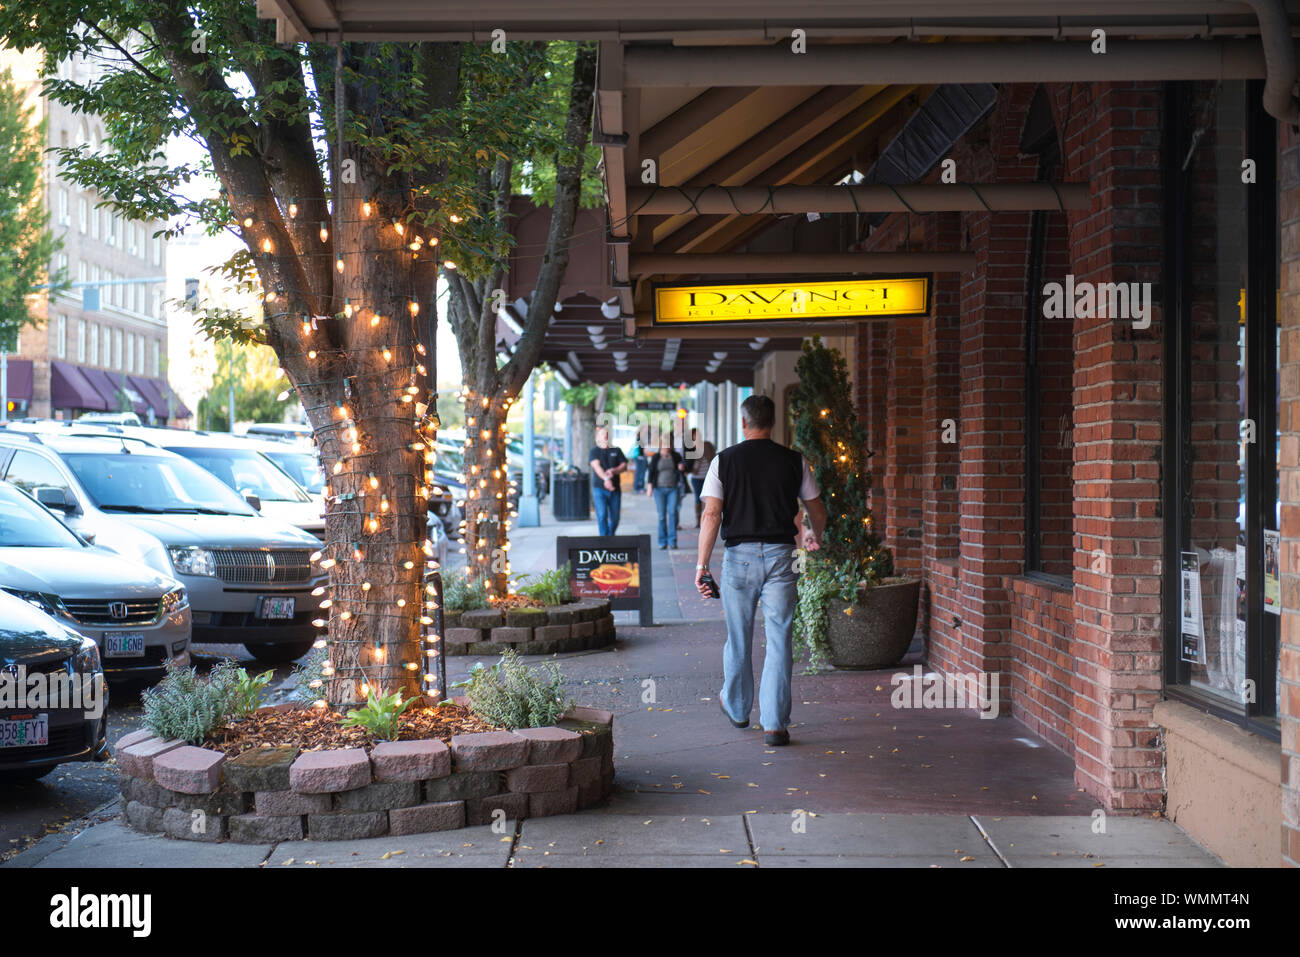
x=744 y=136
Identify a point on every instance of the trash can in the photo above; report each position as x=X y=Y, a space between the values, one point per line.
x=571 y=496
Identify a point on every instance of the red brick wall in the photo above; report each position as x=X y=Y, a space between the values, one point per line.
x=1289 y=479
x=1113 y=141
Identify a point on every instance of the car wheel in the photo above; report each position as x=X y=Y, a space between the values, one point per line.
x=281 y=653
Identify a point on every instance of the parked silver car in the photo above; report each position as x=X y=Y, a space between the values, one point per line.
x=139 y=617
x=249 y=579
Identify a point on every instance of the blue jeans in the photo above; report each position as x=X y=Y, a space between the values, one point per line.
x=607 y=507
x=638 y=473
x=753 y=570
x=666 y=503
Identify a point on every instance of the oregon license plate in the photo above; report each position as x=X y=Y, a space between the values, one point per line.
x=126 y=644
x=31 y=732
x=275 y=608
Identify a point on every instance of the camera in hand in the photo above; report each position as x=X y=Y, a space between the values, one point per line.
x=707 y=580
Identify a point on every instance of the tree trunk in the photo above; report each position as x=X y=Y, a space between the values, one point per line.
x=487 y=499
x=582 y=427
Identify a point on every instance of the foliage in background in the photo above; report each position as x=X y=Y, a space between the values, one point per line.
x=828 y=433
x=27 y=243
x=550 y=588
x=460 y=593
x=513 y=695
x=258 y=385
x=187 y=707
x=380 y=715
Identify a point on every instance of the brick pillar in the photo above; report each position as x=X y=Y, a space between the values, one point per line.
x=1114 y=143
x=1289 y=485
x=871 y=390
x=904 y=443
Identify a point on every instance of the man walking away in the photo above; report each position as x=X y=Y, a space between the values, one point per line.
x=665 y=473
x=752 y=491
x=607 y=465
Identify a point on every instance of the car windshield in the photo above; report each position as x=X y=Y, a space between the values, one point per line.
x=302 y=468
x=245 y=470
x=139 y=482
x=25 y=524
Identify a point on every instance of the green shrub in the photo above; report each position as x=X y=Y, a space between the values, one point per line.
x=460 y=594
x=246 y=691
x=380 y=715
x=310 y=675
x=550 y=588
x=187 y=707
x=515 y=696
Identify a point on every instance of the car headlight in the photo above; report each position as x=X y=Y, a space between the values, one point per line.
x=174 y=600
x=193 y=561
x=87 y=660
x=50 y=604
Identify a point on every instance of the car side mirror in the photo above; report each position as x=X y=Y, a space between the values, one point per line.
x=253 y=499
x=89 y=537
x=57 y=498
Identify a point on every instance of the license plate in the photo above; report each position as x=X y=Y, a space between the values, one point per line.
x=124 y=645
x=275 y=608
x=25 y=732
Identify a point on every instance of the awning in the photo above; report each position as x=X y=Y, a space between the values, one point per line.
x=153 y=399
x=20 y=379
x=165 y=391
x=70 y=389
x=103 y=384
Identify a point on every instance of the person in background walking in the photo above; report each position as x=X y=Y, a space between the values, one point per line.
x=752 y=492
x=608 y=463
x=662 y=481
x=700 y=458
x=638 y=462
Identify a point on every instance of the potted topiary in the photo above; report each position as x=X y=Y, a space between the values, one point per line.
x=852 y=609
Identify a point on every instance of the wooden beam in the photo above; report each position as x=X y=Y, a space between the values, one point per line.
x=916 y=198
x=777 y=264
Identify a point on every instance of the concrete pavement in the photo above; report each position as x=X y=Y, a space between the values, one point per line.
x=862 y=784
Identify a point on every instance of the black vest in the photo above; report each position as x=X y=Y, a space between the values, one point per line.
x=760 y=492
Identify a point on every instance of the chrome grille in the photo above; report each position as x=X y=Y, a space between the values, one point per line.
x=101 y=613
x=263 y=566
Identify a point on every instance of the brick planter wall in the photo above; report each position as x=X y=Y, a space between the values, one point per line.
x=401 y=787
x=577 y=626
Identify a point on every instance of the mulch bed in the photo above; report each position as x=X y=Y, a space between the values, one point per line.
x=516 y=601
x=315 y=729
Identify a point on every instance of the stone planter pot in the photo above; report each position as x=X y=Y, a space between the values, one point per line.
x=879 y=630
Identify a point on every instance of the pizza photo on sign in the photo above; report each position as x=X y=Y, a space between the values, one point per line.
x=605 y=573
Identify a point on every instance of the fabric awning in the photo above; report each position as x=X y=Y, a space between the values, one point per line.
x=153 y=399
x=20 y=379
x=70 y=389
x=103 y=384
x=179 y=409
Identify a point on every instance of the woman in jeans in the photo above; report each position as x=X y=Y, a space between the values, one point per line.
x=662 y=481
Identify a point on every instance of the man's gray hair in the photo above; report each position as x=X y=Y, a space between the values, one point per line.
x=758 y=412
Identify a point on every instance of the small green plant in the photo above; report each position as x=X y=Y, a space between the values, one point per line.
x=310 y=675
x=246 y=691
x=515 y=696
x=381 y=714
x=187 y=707
x=550 y=588
x=461 y=594
x=820 y=582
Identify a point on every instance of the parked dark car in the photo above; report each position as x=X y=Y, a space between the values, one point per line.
x=35 y=740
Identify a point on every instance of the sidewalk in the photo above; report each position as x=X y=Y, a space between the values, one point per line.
x=876 y=786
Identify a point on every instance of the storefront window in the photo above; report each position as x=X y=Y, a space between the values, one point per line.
x=1221 y=407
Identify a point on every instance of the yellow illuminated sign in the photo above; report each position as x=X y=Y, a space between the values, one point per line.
x=792 y=301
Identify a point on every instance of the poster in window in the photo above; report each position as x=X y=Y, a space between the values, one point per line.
x=1272 y=580
x=1192 y=628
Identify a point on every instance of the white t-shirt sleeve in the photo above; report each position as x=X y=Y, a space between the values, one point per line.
x=712 y=487
x=808 y=489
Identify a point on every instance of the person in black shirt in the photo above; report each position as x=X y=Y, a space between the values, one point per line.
x=752 y=492
x=607 y=466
